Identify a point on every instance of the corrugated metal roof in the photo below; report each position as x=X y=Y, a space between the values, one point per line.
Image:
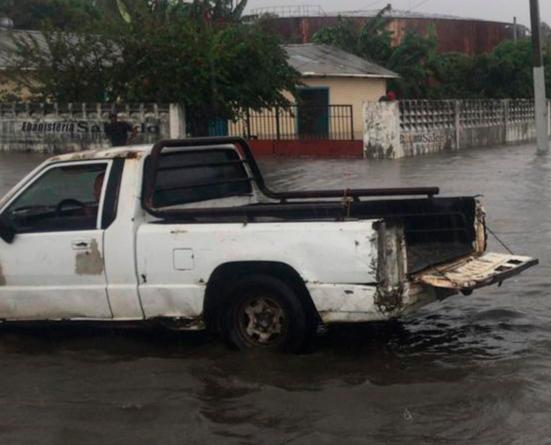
x=8 y=47
x=311 y=59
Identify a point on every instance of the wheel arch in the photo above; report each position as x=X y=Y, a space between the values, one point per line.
x=228 y=272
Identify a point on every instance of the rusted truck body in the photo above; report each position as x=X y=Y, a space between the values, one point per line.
x=187 y=233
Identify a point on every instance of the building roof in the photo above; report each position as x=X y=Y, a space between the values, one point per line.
x=414 y=15
x=8 y=37
x=313 y=60
x=303 y=11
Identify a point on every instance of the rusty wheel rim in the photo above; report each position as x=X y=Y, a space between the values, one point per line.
x=262 y=321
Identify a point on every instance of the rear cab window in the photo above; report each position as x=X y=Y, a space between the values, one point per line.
x=187 y=177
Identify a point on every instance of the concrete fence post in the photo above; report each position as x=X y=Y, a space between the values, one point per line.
x=548 y=117
x=457 y=104
x=177 y=119
x=506 y=103
x=382 y=130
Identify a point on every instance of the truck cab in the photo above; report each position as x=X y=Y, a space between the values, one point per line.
x=188 y=234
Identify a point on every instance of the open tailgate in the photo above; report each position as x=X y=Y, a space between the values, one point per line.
x=475 y=272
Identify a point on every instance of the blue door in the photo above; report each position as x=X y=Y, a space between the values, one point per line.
x=218 y=127
x=313 y=113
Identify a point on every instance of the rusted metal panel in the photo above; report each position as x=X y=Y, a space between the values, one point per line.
x=454 y=35
x=391 y=266
x=481 y=241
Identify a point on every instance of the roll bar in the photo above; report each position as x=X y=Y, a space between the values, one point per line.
x=258 y=179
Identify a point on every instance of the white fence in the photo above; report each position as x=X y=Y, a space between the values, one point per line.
x=434 y=126
x=53 y=128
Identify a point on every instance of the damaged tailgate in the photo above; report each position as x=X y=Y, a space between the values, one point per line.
x=475 y=272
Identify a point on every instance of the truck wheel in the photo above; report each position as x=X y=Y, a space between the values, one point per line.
x=264 y=312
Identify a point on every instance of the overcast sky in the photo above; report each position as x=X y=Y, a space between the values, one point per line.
x=499 y=10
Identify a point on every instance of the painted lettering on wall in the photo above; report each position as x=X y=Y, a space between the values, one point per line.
x=79 y=127
x=422 y=143
x=424 y=138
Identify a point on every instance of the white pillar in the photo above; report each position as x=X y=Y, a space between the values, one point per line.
x=539 y=80
x=382 y=131
x=541 y=110
x=177 y=121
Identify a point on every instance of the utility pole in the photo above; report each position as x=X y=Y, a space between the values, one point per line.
x=539 y=80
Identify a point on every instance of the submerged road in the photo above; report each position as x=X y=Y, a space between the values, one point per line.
x=473 y=370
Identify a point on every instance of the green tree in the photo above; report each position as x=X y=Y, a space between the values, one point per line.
x=415 y=59
x=506 y=72
x=509 y=72
x=454 y=78
x=62 y=14
x=343 y=35
x=372 y=41
x=65 y=67
x=162 y=53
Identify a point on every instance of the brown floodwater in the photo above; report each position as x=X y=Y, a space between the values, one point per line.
x=473 y=370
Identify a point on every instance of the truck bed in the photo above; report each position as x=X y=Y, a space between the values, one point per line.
x=436 y=230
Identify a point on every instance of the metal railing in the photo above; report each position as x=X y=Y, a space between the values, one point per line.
x=335 y=122
x=290 y=11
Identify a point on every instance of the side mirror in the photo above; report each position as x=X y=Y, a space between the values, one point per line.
x=6 y=231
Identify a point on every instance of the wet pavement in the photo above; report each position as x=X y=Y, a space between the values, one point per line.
x=473 y=370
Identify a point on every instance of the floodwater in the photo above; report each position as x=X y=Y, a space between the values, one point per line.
x=473 y=370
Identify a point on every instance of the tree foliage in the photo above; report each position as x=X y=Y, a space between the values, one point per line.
x=372 y=41
x=197 y=54
x=62 y=14
x=65 y=67
x=414 y=59
x=506 y=72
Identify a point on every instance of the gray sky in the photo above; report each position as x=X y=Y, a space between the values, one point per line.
x=499 y=10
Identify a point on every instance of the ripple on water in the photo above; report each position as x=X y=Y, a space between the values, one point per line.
x=467 y=370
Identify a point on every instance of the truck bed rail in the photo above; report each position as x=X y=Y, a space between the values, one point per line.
x=257 y=177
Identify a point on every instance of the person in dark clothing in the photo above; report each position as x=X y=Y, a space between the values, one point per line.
x=118 y=131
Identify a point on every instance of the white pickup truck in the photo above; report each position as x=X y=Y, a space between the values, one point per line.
x=187 y=233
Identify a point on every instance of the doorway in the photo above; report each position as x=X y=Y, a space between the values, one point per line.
x=313 y=113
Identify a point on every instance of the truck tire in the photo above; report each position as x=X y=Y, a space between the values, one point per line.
x=264 y=312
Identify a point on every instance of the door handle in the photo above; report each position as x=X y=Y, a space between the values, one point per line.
x=81 y=244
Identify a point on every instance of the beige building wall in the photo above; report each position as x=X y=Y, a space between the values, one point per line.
x=7 y=86
x=342 y=91
x=351 y=91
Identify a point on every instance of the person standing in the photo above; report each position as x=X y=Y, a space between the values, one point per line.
x=120 y=133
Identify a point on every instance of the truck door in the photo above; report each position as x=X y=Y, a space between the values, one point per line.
x=54 y=268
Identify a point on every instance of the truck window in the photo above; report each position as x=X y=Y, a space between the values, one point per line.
x=192 y=176
x=65 y=198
